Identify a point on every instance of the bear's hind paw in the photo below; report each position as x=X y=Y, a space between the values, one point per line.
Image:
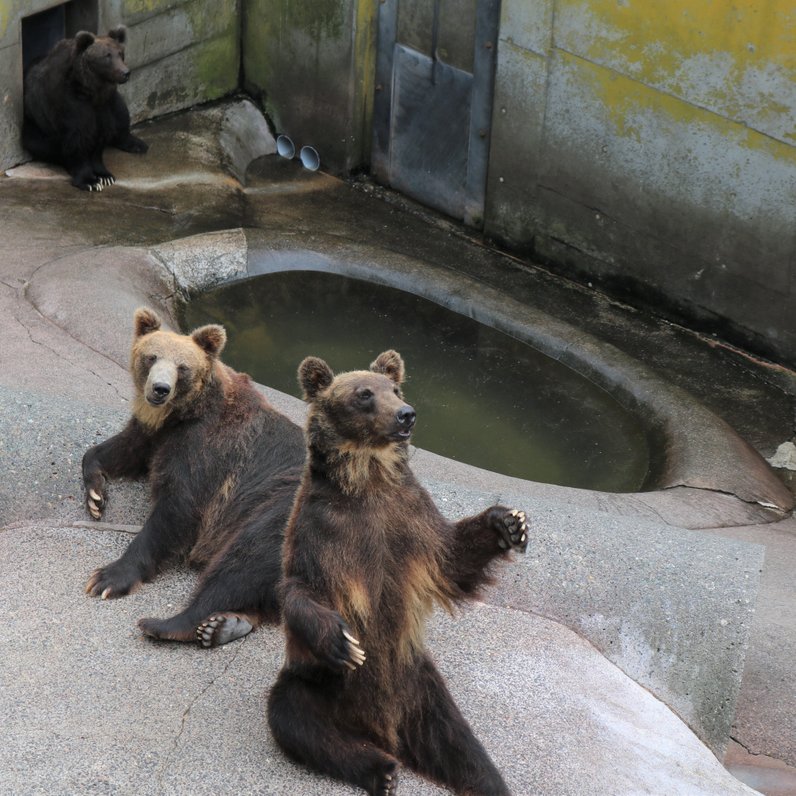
x=222 y=628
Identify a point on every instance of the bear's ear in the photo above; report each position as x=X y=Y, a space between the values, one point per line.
x=83 y=40
x=212 y=338
x=119 y=33
x=146 y=321
x=390 y=364
x=314 y=375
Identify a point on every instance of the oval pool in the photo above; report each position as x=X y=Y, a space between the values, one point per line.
x=482 y=397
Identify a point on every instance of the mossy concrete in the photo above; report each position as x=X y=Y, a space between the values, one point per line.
x=651 y=150
x=311 y=63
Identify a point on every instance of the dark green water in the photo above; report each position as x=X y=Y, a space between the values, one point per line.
x=481 y=396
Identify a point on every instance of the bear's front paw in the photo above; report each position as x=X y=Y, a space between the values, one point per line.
x=385 y=780
x=112 y=581
x=512 y=531
x=96 y=500
x=342 y=649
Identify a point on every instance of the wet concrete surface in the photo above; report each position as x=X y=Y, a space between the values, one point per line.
x=63 y=385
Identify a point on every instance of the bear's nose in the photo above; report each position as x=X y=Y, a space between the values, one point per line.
x=406 y=416
x=125 y=75
x=161 y=390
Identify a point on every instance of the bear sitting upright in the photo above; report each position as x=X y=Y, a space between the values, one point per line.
x=366 y=556
x=223 y=466
x=73 y=109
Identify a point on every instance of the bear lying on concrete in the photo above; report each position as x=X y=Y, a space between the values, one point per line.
x=73 y=109
x=366 y=556
x=223 y=467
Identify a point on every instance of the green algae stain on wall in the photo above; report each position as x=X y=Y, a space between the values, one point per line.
x=319 y=19
x=735 y=58
x=217 y=67
x=629 y=104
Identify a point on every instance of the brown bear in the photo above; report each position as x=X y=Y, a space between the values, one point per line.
x=73 y=110
x=223 y=466
x=366 y=556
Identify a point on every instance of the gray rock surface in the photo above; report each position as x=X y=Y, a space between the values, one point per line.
x=90 y=706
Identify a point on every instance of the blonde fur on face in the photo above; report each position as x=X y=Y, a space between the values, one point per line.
x=184 y=363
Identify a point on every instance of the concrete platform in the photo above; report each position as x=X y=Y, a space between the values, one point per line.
x=672 y=607
x=92 y=707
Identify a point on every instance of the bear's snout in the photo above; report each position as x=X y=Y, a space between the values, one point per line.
x=405 y=418
x=160 y=392
x=123 y=75
x=161 y=383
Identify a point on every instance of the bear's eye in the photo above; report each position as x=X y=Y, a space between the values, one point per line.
x=107 y=55
x=397 y=392
x=365 y=395
x=150 y=360
x=183 y=370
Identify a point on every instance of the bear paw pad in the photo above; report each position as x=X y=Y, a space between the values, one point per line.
x=222 y=628
x=513 y=529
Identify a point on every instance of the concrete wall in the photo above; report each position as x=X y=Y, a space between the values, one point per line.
x=311 y=63
x=181 y=52
x=651 y=148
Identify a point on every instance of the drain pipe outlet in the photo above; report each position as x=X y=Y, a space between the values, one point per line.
x=310 y=158
x=285 y=147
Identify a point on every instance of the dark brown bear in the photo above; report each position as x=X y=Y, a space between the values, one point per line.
x=366 y=556
x=223 y=467
x=73 y=109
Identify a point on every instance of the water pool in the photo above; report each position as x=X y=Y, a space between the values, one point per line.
x=482 y=397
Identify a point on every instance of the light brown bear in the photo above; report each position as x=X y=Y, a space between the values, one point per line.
x=367 y=555
x=223 y=466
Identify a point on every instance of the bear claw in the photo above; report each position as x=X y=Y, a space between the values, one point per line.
x=513 y=531
x=356 y=655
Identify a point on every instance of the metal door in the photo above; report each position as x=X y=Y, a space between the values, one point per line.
x=433 y=105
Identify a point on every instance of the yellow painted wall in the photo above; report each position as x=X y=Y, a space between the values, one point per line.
x=650 y=147
x=734 y=57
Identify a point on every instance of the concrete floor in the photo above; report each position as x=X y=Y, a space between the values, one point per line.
x=63 y=386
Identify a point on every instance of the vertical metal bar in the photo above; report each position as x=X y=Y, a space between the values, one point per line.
x=487 y=27
x=382 y=99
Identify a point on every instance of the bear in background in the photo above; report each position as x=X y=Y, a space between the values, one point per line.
x=223 y=466
x=367 y=554
x=73 y=109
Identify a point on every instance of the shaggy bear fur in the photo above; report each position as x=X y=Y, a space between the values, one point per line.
x=223 y=467
x=73 y=109
x=366 y=556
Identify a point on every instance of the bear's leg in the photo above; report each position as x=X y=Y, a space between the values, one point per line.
x=39 y=145
x=79 y=140
x=100 y=169
x=125 y=455
x=166 y=533
x=123 y=139
x=437 y=742
x=235 y=594
x=301 y=714
x=237 y=591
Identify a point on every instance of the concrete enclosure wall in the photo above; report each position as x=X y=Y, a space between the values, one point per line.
x=181 y=52
x=651 y=147
x=647 y=147
x=311 y=63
